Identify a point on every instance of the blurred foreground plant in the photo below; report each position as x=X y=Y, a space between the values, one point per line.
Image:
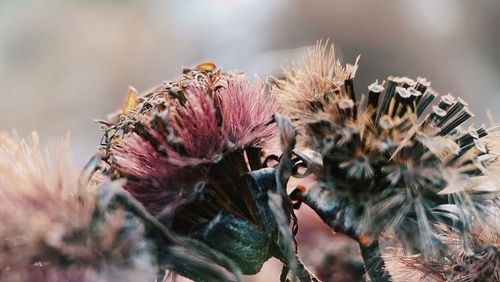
x=57 y=225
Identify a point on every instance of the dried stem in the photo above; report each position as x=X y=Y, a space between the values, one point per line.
x=374 y=264
x=300 y=273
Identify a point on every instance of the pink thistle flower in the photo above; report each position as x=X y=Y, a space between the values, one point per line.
x=176 y=154
x=191 y=154
x=175 y=142
x=195 y=124
x=245 y=112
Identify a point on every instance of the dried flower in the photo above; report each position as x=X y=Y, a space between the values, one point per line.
x=50 y=230
x=384 y=161
x=176 y=135
x=191 y=153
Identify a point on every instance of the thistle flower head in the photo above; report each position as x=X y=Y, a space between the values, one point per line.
x=175 y=134
x=188 y=149
x=387 y=160
x=49 y=229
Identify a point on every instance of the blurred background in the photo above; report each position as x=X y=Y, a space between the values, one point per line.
x=64 y=63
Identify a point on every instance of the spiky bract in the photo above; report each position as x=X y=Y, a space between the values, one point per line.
x=191 y=153
x=187 y=131
x=387 y=160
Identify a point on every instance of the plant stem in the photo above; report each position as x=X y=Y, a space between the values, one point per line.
x=304 y=274
x=374 y=264
x=299 y=273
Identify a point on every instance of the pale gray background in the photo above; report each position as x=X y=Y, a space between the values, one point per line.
x=64 y=63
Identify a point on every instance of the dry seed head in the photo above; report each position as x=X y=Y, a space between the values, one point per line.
x=476 y=261
x=385 y=158
x=320 y=74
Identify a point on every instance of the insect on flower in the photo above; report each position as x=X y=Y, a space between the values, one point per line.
x=191 y=152
x=385 y=161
